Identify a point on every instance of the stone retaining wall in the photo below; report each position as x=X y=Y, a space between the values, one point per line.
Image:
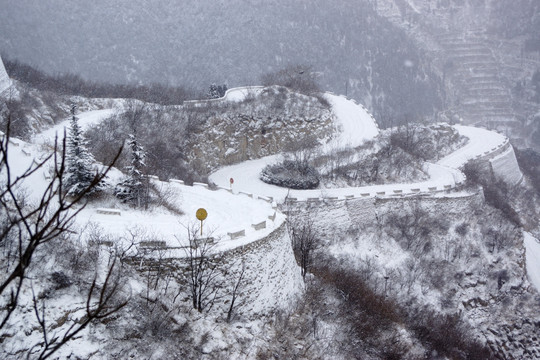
x=271 y=280
x=337 y=218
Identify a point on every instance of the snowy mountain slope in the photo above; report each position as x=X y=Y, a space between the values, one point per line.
x=482 y=51
x=194 y=44
x=5 y=82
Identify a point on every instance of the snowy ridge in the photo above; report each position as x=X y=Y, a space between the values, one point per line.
x=5 y=81
x=356 y=123
x=233 y=94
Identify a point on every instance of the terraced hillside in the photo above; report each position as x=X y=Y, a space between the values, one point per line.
x=484 y=72
x=483 y=96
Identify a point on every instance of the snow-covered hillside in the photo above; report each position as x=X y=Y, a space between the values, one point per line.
x=471 y=265
x=5 y=82
x=355 y=126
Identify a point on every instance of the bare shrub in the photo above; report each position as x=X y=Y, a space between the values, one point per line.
x=447 y=334
x=369 y=316
x=496 y=192
x=296 y=171
x=305 y=241
x=399 y=156
x=410 y=227
x=290 y=174
x=499 y=234
x=203 y=269
x=60 y=280
x=300 y=78
x=462 y=229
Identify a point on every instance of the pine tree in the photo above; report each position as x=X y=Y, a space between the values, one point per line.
x=133 y=188
x=216 y=91
x=213 y=92
x=80 y=172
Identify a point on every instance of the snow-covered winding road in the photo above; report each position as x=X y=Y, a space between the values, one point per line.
x=480 y=142
x=357 y=126
x=86 y=119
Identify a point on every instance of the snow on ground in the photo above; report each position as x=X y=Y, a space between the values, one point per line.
x=355 y=126
x=230 y=213
x=480 y=141
x=86 y=119
x=21 y=155
x=354 y=122
x=532 y=254
x=246 y=178
x=227 y=213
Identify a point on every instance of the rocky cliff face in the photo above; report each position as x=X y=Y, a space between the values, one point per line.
x=258 y=127
x=485 y=53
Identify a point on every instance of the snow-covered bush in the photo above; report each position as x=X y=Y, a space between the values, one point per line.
x=398 y=155
x=291 y=174
x=299 y=78
x=426 y=142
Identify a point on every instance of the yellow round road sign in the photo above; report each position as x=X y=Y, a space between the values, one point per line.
x=201 y=214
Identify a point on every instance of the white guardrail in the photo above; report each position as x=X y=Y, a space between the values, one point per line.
x=233 y=235
x=241 y=232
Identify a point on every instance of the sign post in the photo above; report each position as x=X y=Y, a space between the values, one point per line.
x=201 y=215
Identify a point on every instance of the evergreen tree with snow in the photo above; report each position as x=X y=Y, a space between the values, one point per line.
x=133 y=189
x=216 y=91
x=213 y=92
x=80 y=172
